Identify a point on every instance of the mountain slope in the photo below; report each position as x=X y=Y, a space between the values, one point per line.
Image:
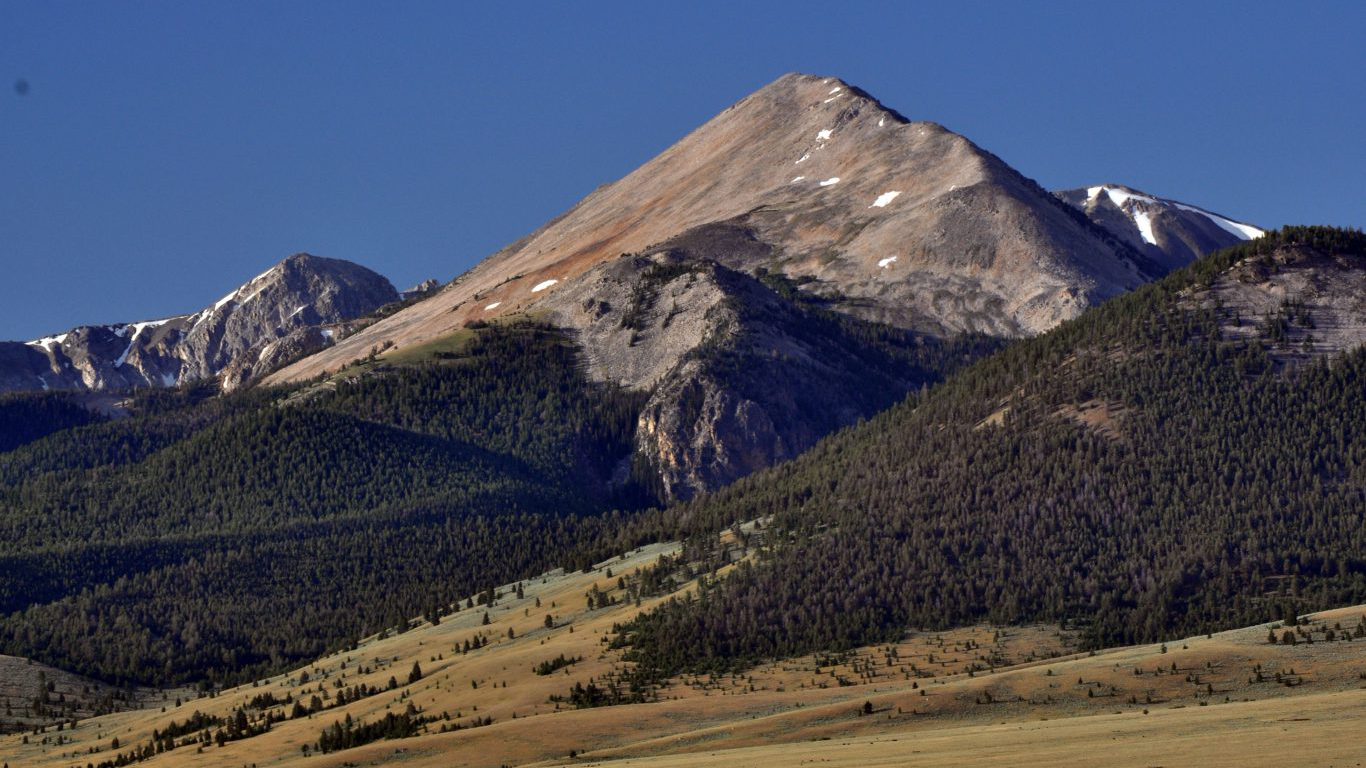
x=237 y=338
x=1170 y=233
x=897 y=221
x=1142 y=471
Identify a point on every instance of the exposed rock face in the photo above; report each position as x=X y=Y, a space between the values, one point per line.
x=1170 y=233
x=282 y=314
x=267 y=356
x=1300 y=302
x=741 y=376
x=903 y=222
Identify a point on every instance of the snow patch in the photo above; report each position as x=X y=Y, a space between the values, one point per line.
x=832 y=98
x=168 y=379
x=803 y=158
x=885 y=198
x=219 y=304
x=835 y=90
x=328 y=334
x=880 y=121
x=1145 y=227
x=297 y=311
x=48 y=341
x=541 y=286
x=797 y=179
x=493 y=306
x=1245 y=231
x=123 y=358
x=887 y=262
x=830 y=182
x=232 y=296
x=824 y=134
x=1117 y=196
x=138 y=328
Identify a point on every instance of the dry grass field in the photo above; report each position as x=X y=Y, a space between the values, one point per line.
x=972 y=696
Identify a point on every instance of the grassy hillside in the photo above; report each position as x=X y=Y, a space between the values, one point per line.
x=495 y=691
x=1132 y=474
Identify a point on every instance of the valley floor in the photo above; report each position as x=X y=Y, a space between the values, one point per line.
x=972 y=696
x=1317 y=729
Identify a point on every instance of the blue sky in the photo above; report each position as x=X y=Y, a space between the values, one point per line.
x=166 y=152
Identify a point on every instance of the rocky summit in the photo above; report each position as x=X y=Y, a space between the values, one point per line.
x=290 y=310
x=899 y=221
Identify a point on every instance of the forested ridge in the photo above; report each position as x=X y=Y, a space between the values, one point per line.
x=1218 y=489
x=217 y=538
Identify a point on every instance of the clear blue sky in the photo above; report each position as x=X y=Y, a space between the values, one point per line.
x=165 y=152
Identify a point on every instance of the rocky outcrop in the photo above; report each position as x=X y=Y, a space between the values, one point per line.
x=1299 y=302
x=743 y=371
x=270 y=355
x=424 y=288
x=297 y=307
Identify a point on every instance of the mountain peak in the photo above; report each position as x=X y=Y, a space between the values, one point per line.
x=798 y=92
x=910 y=223
x=1170 y=232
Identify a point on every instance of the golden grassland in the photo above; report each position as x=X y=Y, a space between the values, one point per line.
x=971 y=696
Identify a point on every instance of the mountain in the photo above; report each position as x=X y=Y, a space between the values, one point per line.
x=1170 y=233
x=277 y=315
x=798 y=263
x=1185 y=456
x=901 y=222
x=807 y=198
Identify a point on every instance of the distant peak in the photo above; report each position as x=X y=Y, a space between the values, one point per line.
x=1125 y=197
